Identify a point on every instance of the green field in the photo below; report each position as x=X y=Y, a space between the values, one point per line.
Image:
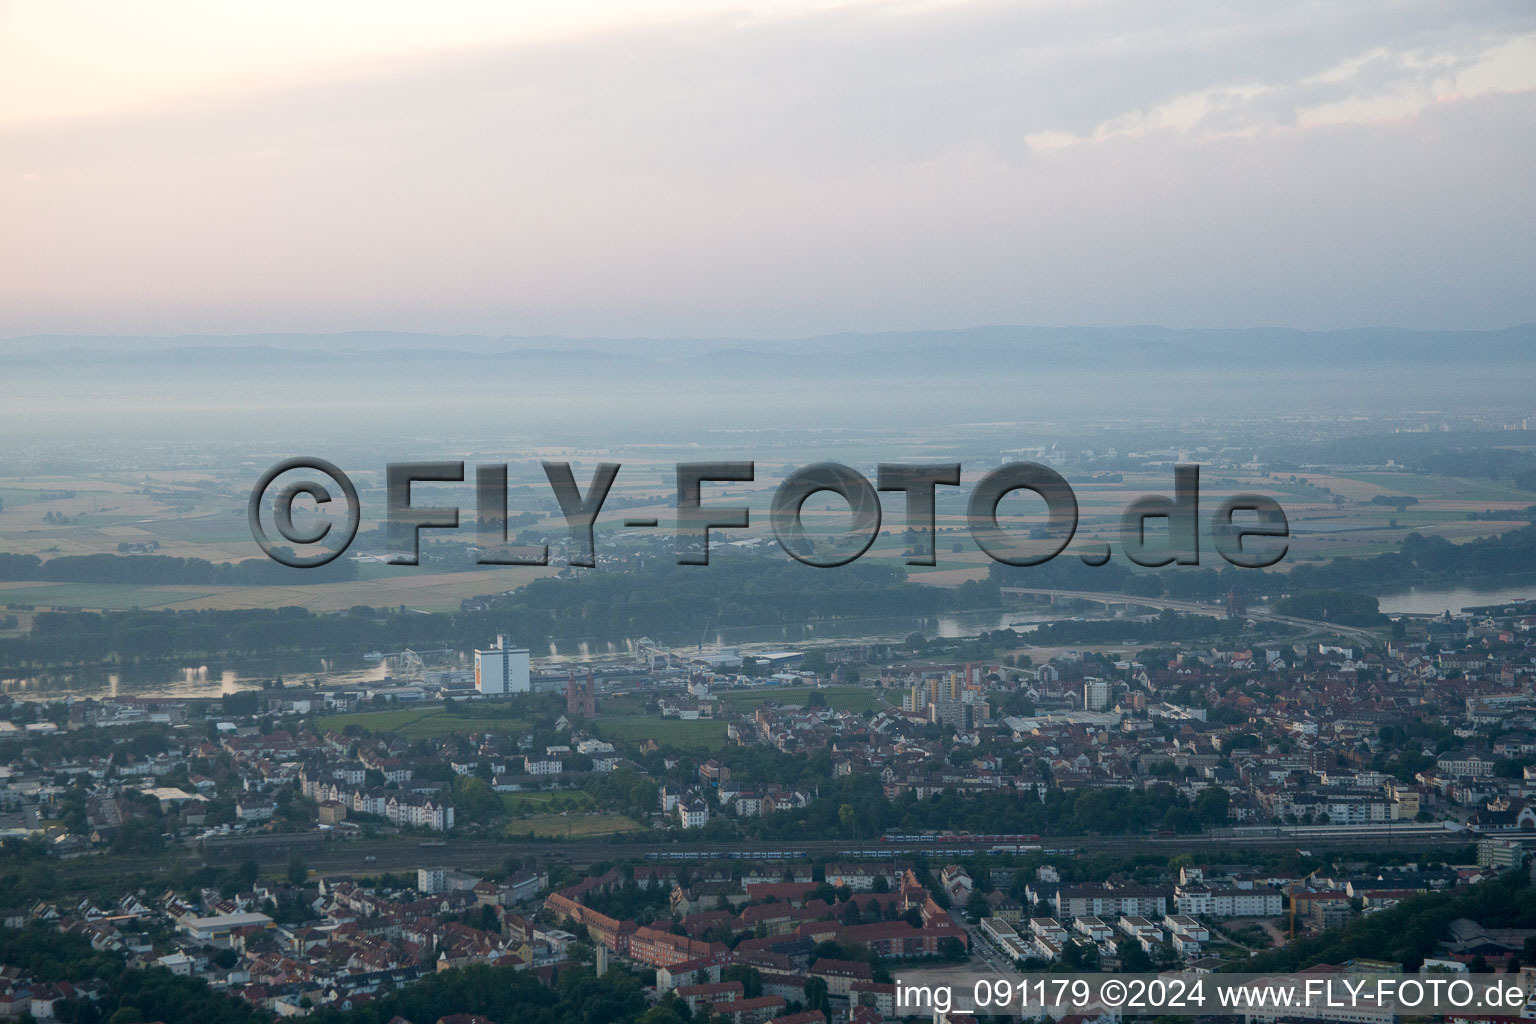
x=622 y=707
x=1426 y=486
x=380 y=721
x=423 y=723
x=538 y=800
x=219 y=528
x=703 y=734
x=572 y=826
x=108 y=596
x=843 y=698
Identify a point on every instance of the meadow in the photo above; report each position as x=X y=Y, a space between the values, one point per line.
x=701 y=735
x=431 y=722
x=843 y=698
x=571 y=826
x=539 y=801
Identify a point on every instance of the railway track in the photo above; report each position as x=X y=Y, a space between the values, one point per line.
x=272 y=851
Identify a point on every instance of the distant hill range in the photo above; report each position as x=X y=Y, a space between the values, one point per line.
x=1008 y=350
x=366 y=383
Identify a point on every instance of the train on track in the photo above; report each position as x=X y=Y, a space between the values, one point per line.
x=727 y=855
x=960 y=838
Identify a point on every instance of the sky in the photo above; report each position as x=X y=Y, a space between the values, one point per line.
x=763 y=170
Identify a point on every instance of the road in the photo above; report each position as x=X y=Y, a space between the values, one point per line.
x=995 y=961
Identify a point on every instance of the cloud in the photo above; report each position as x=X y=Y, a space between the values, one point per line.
x=1371 y=87
x=867 y=166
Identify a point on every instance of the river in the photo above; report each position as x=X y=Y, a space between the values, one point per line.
x=1435 y=601
x=874 y=630
x=214 y=680
x=189 y=681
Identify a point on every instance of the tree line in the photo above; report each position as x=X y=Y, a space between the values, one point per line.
x=1410 y=930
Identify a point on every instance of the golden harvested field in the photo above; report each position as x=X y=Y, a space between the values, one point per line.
x=427 y=592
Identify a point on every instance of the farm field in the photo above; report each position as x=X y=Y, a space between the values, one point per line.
x=427 y=592
x=201 y=515
x=1426 y=486
x=101 y=596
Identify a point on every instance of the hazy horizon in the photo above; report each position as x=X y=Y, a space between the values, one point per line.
x=371 y=385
